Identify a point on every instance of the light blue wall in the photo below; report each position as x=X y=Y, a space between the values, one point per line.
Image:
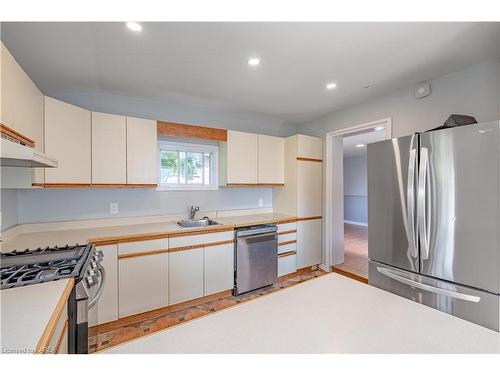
x=46 y=205
x=8 y=208
x=355 y=189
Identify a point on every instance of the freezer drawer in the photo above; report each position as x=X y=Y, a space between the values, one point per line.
x=476 y=306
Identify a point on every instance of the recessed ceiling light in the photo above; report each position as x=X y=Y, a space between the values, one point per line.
x=378 y=128
x=134 y=26
x=360 y=145
x=331 y=85
x=254 y=61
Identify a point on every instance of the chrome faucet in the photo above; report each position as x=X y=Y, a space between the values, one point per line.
x=193 y=212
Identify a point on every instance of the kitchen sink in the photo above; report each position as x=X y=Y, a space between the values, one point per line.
x=205 y=222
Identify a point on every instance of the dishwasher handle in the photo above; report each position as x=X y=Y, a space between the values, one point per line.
x=257 y=231
x=252 y=237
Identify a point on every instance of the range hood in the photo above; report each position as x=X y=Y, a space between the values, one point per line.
x=14 y=154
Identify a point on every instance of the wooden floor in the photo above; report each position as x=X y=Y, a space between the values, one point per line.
x=355 y=251
x=131 y=328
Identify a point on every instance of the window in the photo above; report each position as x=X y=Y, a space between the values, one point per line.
x=186 y=166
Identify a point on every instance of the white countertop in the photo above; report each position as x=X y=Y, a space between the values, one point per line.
x=72 y=236
x=330 y=314
x=25 y=313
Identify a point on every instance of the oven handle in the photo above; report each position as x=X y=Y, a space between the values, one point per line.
x=101 y=287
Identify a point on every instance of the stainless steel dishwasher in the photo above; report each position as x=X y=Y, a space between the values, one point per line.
x=256 y=257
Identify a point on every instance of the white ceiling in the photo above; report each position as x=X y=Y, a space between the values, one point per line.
x=349 y=142
x=204 y=65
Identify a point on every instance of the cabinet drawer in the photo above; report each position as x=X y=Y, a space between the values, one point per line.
x=142 y=246
x=286 y=248
x=287 y=264
x=200 y=239
x=287 y=226
x=287 y=237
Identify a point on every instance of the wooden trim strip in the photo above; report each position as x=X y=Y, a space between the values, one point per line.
x=227 y=242
x=142 y=254
x=173 y=129
x=78 y=186
x=308 y=218
x=310 y=159
x=184 y=248
x=48 y=332
x=287 y=242
x=109 y=326
x=61 y=336
x=11 y=133
x=203 y=231
x=287 y=254
x=255 y=184
x=287 y=221
x=286 y=232
x=102 y=241
x=350 y=275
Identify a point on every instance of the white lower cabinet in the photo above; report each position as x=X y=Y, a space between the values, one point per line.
x=287 y=264
x=185 y=275
x=106 y=308
x=308 y=243
x=218 y=268
x=143 y=283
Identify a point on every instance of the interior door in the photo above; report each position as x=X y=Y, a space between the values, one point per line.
x=459 y=209
x=391 y=204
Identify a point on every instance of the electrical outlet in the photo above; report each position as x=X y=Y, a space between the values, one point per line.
x=113 y=208
x=261 y=202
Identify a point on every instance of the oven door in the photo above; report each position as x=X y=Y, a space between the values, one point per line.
x=83 y=310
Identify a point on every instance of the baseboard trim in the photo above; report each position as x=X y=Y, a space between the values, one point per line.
x=356 y=223
x=350 y=275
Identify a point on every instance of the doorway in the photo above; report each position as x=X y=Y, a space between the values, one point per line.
x=346 y=196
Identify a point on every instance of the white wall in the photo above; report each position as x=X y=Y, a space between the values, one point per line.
x=355 y=189
x=474 y=91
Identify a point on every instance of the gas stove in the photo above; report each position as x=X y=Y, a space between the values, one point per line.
x=20 y=268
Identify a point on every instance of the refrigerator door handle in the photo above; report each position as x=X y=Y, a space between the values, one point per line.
x=410 y=203
x=428 y=288
x=422 y=220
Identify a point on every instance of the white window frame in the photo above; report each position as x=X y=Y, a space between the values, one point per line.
x=190 y=147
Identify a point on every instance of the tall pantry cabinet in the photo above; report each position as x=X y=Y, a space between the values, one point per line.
x=302 y=195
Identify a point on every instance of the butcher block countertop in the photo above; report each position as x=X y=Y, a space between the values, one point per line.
x=329 y=314
x=134 y=232
x=29 y=315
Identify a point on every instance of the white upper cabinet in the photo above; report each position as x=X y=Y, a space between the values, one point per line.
x=21 y=101
x=309 y=147
x=142 y=155
x=242 y=157
x=271 y=160
x=66 y=126
x=309 y=188
x=109 y=149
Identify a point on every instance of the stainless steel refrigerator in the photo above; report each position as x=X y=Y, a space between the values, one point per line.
x=434 y=220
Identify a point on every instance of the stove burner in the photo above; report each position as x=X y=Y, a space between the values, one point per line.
x=19 y=268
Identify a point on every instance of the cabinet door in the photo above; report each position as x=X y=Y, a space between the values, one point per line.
x=109 y=149
x=67 y=138
x=106 y=309
x=143 y=283
x=271 y=159
x=242 y=157
x=218 y=268
x=309 y=188
x=185 y=275
x=308 y=243
x=309 y=147
x=142 y=151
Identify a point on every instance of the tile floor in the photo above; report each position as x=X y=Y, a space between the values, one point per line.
x=355 y=250
x=134 y=329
